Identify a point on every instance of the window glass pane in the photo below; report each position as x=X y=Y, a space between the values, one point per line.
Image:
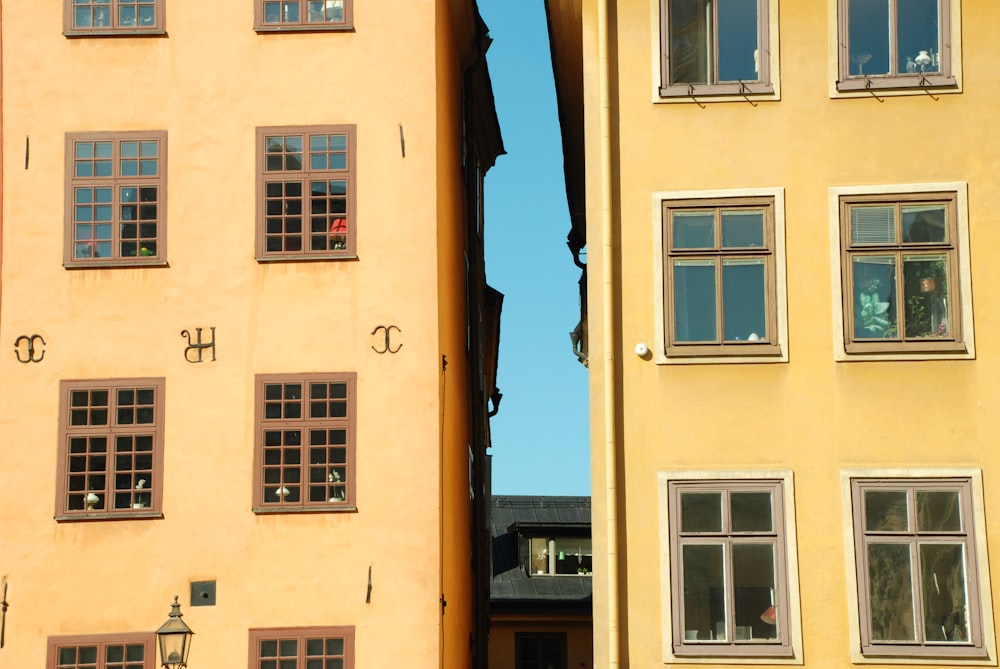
x=704 y=592
x=943 y=585
x=886 y=511
x=751 y=511
x=874 y=280
x=690 y=41
x=868 y=37
x=743 y=229
x=694 y=230
x=925 y=290
x=539 y=549
x=738 y=47
x=701 y=512
x=924 y=223
x=873 y=225
x=753 y=592
x=694 y=300
x=890 y=592
x=744 y=301
x=939 y=511
x=917 y=36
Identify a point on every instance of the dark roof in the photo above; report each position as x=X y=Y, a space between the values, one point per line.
x=512 y=588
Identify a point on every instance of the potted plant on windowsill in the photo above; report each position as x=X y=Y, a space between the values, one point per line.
x=139 y=502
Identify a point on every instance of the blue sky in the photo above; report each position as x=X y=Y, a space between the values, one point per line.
x=541 y=434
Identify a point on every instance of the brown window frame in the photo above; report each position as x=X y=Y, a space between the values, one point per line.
x=343 y=242
x=158 y=27
x=901 y=249
x=117 y=201
x=70 y=477
x=260 y=24
x=913 y=537
x=763 y=85
x=848 y=81
x=301 y=635
x=731 y=647
x=541 y=659
x=101 y=643
x=339 y=478
x=767 y=345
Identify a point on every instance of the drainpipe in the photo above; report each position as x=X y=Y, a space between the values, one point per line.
x=608 y=329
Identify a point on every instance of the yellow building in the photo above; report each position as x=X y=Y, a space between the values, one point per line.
x=249 y=345
x=787 y=209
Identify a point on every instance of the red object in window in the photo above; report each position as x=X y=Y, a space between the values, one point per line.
x=339 y=226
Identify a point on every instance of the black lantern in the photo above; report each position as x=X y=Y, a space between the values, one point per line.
x=174 y=638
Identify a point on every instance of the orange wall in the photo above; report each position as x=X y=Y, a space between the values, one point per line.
x=209 y=83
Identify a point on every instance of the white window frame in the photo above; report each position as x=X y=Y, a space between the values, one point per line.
x=780 y=289
x=656 y=55
x=960 y=190
x=983 y=577
x=878 y=91
x=791 y=567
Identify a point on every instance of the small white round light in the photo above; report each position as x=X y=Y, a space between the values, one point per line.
x=641 y=350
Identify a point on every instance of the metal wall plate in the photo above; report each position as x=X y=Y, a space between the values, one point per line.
x=203 y=593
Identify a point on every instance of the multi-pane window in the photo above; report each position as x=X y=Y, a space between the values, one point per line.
x=571 y=556
x=302 y=648
x=895 y=44
x=305 y=442
x=715 y=47
x=303 y=14
x=540 y=650
x=110 y=448
x=115 y=199
x=728 y=568
x=111 y=17
x=900 y=271
x=720 y=277
x=305 y=202
x=119 y=651
x=917 y=572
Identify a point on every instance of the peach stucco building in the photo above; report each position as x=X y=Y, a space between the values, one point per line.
x=248 y=341
x=788 y=210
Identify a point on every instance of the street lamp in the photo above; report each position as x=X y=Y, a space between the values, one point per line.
x=174 y=638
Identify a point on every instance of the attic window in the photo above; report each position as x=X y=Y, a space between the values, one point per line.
x=562 y=556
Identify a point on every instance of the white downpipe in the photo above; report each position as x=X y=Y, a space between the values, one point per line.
x=608 y=338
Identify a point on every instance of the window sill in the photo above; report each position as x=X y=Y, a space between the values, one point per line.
x=117 y=264
x=268 y=510
x=751 y=653
x=896 y=86
x=306 y=258
x=338 y=28
x=717 y=92
x=703 y=355
x=116 y=32
x=939 y=351
x=114 y=515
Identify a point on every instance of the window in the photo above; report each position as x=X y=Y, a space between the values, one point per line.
x=571 y=556
x=110 y=448
x=116 y=199
x=717 y=47
x=916 y=558
x=543 y=650
x=302 y=648
x=303 y=15
x=902 y=272
x=722 y=291
x=888 y=44
x=305 y=442
x=305 y=205
x=728 y=573
x=112 y=17
x=105 y=651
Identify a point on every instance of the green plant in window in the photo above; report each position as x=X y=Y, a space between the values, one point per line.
x=926 y=290
x=874 y=316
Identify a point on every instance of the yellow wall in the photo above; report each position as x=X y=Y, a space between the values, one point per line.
x=209 y=83
x=811 y=415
